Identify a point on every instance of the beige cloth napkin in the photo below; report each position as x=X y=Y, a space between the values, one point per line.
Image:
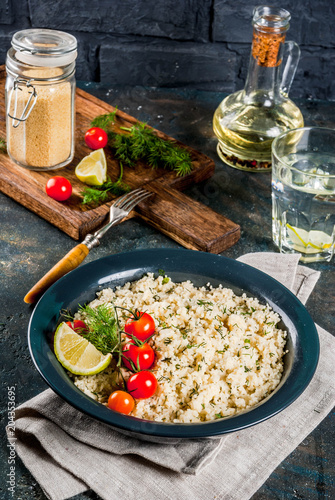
x=68 y=452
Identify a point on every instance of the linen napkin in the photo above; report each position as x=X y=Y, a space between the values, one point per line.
x=68 y=452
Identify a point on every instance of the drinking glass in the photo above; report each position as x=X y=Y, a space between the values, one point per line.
x=303 y=193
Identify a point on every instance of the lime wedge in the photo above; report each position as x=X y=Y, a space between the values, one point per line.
x=93 y=168
x=309 y=241
x=77 y=354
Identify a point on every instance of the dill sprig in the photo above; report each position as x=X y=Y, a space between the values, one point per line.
x=103 y=328
x=104 y=122
x=139 y=142
x=3 y=145
x=99 y=194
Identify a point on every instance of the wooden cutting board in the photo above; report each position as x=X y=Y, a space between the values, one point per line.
x=187 y=221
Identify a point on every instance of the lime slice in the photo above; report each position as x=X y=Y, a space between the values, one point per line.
x=93 y=168
x=309 y=241
x=77 y=354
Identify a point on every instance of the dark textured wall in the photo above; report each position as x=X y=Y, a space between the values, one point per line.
x=203 y=44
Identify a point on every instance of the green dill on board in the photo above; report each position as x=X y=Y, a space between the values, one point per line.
x=3 y=145
x=99 y=194
x=139 y=142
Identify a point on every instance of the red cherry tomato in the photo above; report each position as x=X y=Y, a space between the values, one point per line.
x=58 y=188
x=137 y=357
x=142 y=385
x=121 y=401
x=78 y=326
x=141 y=326
x=96 y=138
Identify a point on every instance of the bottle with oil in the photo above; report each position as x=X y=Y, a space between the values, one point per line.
x=247 y=121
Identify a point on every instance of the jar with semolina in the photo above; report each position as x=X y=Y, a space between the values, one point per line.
x=40 y=98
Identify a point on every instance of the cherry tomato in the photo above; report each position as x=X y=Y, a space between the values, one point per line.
x=142 y=385
x=137 y=357
x=141 y=326
x=96 y=138
x=58 y=188
x=121 y=401
x=78 y=326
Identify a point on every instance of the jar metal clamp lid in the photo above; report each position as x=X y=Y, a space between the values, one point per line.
x=42 y=48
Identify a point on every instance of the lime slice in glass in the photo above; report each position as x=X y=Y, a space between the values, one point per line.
x=308 y=241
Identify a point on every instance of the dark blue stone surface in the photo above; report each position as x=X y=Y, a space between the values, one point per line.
x=29 y=246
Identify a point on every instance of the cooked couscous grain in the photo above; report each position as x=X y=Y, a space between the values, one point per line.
x=217 y=353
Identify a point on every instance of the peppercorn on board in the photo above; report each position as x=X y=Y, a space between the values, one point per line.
x=185 y=220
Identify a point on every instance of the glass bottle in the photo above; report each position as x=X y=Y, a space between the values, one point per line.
x=40 y=98
x=247 y=121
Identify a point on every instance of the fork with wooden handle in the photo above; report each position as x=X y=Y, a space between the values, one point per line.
x=118 y=211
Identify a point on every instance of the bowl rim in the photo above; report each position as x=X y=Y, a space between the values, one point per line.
x=278 y=400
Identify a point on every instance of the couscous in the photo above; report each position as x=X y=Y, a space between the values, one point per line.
x=217 y=354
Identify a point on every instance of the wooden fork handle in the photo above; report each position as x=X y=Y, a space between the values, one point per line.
x=70 y=261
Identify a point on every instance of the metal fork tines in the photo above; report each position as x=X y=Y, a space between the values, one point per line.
x=128 y=201
x=118 y=211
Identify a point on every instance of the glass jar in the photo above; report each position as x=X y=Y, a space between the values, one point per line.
x=40 y=98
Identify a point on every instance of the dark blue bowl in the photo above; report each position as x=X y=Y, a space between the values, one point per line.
x=81 y=285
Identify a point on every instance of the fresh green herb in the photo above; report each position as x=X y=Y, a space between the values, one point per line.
x=139 y=142
x=103 y=328
x=3 y=146
x=104 y=122
x=247 y=341
x=163 y=325
x=168 y=340
x=194 y=391
x=271 y=354
x=165 y=279
x=66 y=315
x=99 y=194
x=167 y=360
x=226 y=347
x=246 y=369
x=206 y=304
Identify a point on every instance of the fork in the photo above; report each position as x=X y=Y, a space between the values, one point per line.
x=118 y=211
